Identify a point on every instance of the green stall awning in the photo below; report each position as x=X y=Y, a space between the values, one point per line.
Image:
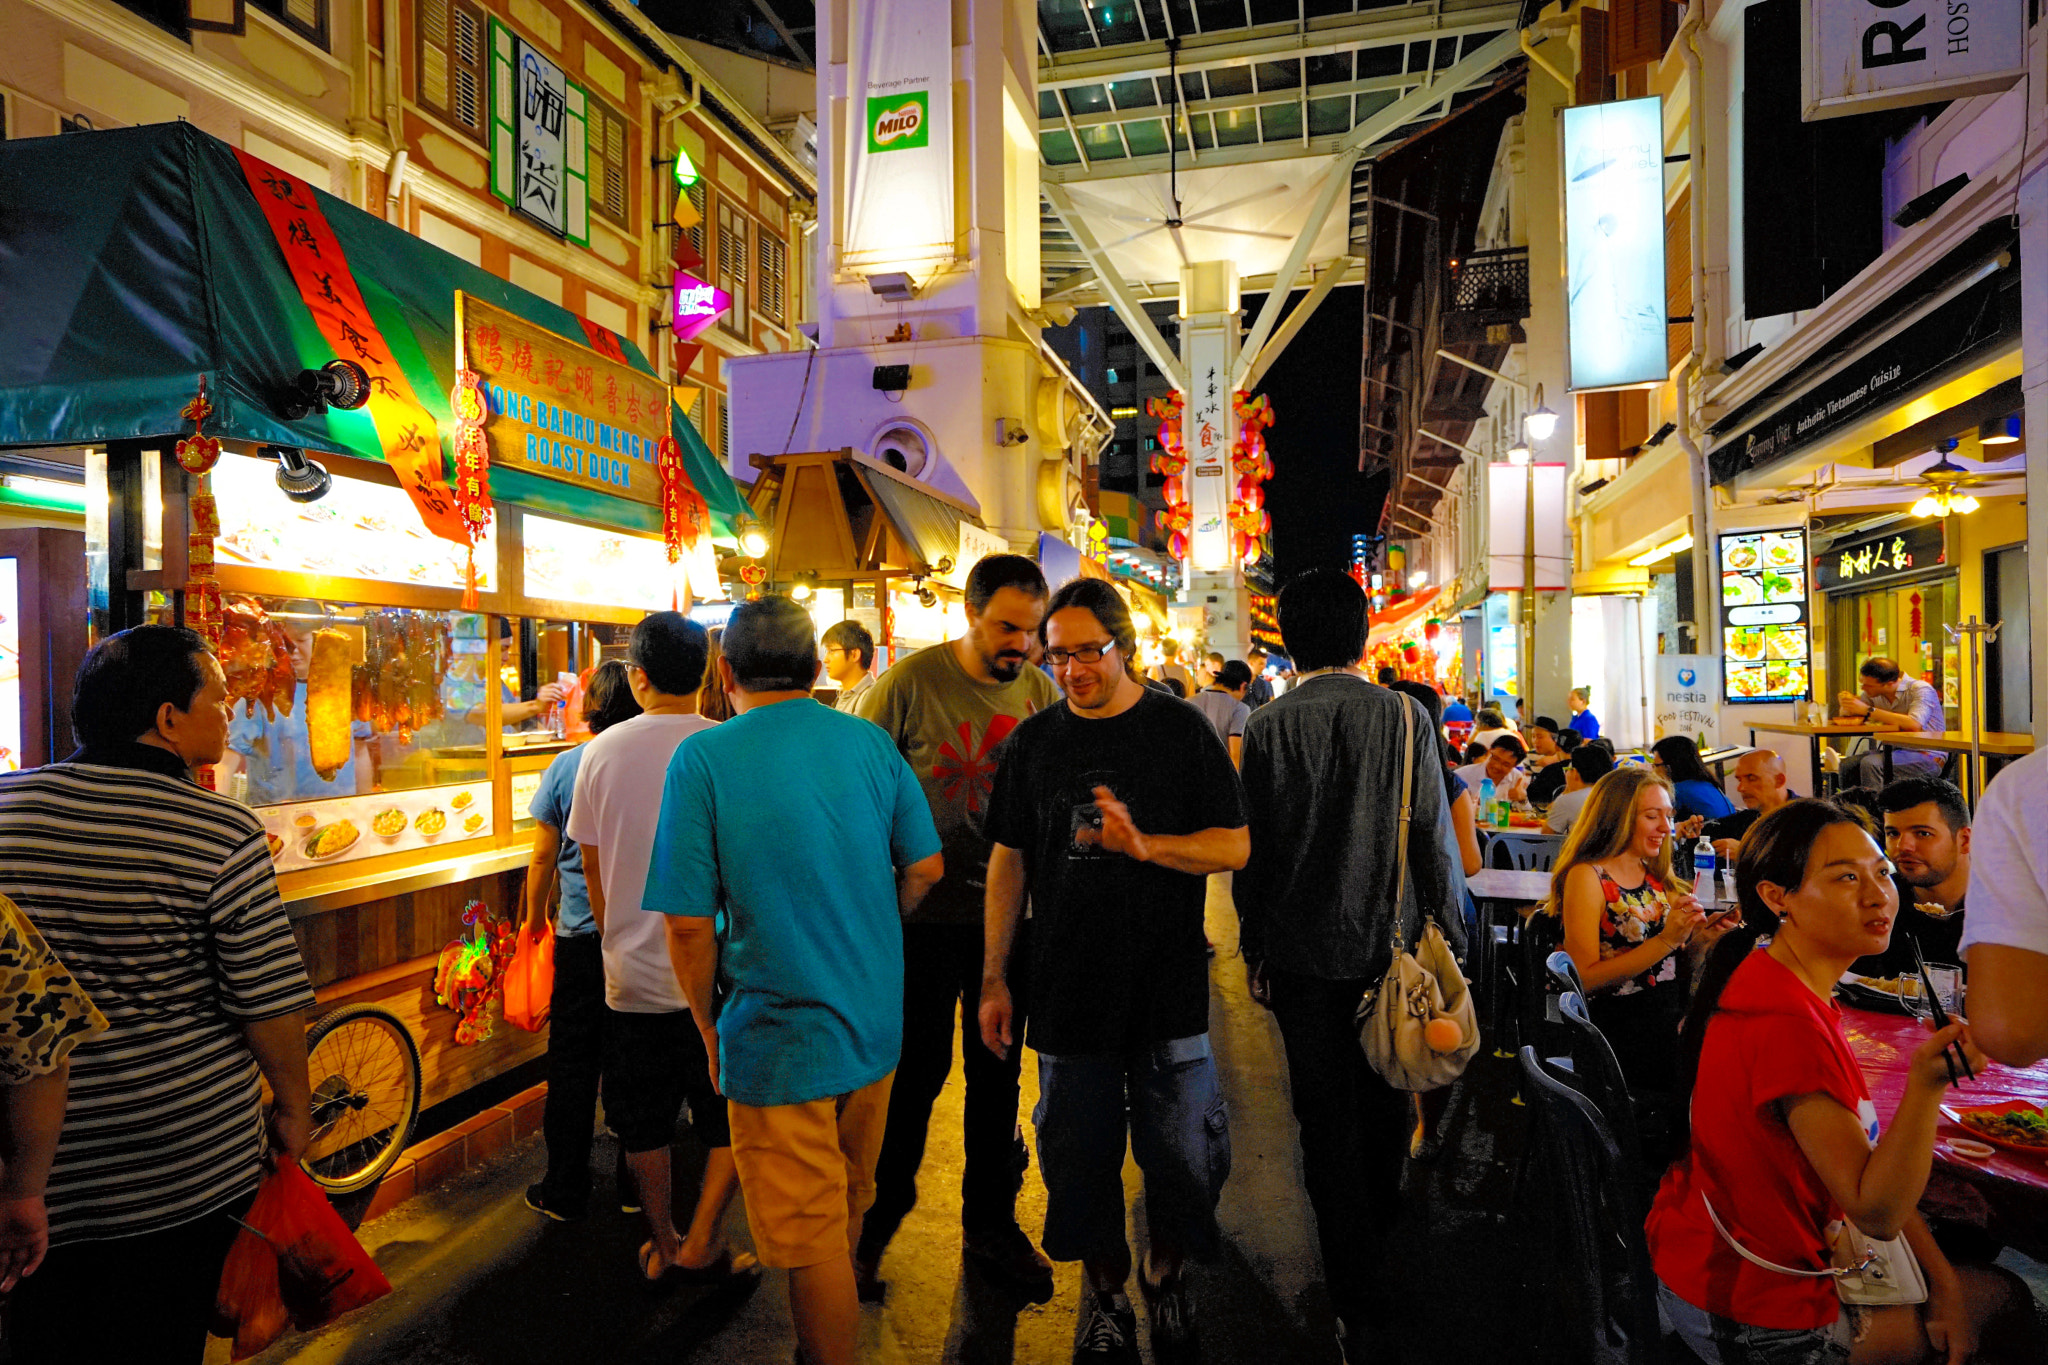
x=136 y=261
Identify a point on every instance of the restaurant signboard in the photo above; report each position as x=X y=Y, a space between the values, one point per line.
x=562 y=410
x=1766 y=634
x=1915 y=549
x=1614 y=243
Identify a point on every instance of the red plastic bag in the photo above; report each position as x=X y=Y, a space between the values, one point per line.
x=530 y=981
x=294 y=1260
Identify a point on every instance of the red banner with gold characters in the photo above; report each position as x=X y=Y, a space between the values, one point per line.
x=472 y=470
x=684 y=517
x=405 y=429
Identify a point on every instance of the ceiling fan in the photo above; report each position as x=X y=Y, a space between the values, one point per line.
x=1175 y=220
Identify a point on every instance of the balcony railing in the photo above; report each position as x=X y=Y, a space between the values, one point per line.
x=1492 y=284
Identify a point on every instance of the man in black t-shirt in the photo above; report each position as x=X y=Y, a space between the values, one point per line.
x=1111 y=811
x=1927 y=835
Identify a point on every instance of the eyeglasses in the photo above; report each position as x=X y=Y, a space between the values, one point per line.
x=1086 y=654
x=835 y=649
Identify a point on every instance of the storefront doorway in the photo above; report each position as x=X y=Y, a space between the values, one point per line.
x=1902 y=620
x=2008 y=661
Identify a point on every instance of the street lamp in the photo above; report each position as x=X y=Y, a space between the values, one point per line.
x=1518 y=453
x=1540 y=421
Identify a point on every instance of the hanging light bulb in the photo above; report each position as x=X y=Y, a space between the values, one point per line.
x=1928 y=507
x=1518 y=453
x=1963 y=505
x=1540 y=421
x=753 y=540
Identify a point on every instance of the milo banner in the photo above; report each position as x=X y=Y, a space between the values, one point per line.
x=899 y=129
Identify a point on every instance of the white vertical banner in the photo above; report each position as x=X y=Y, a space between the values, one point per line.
x=1507 y=492
x=1614 y=243
x=1206 y=421
x=1689 y=697
x=899 y=132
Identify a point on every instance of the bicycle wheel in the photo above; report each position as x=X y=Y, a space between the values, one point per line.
x=365 y=1070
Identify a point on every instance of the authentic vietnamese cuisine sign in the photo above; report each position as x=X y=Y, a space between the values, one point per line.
x=560 y=409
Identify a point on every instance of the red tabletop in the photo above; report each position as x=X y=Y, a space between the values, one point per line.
x=2010 y=1186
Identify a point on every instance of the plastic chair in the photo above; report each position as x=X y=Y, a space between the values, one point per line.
x=1599 y=1303
x=1513 y=851
x=1596 y=1074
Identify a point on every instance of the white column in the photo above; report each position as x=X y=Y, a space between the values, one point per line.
x=2033 y=206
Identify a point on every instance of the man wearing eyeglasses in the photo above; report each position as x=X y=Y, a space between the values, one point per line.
x=1111 y=811
x=849 y=654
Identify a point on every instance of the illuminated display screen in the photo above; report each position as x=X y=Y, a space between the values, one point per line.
x=1765 y=631
x=1614 y=243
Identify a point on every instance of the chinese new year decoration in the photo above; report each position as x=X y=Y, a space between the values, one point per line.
x=471 y=971
x=753 y=575
x=198 y=454
x=683 y=513
x=472 y=471
x=1248 y=458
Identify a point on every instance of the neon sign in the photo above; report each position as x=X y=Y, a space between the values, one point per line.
x=697 y=306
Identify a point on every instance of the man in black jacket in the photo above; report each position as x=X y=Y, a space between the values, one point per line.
x=1322 y=777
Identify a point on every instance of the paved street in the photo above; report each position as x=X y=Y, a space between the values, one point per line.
x=480 y=1278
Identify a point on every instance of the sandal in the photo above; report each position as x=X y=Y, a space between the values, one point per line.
x=728 y=1269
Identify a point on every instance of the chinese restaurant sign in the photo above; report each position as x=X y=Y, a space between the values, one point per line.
x=1914 y=550
x=539 y=137
x=1764 y=626
x=1205 y=437
x=900 y=152
x=697 y=306
x=1864 y=55
x=1614 y=243
x=561 y=410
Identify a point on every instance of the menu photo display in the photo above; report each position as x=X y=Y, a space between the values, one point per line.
x=1765 y=629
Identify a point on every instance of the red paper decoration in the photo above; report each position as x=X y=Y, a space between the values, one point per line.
x=472 y=471
x=683 y=513
x=198 y=454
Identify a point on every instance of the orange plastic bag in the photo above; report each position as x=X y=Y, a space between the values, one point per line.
x=530 y=982
x=293 y=1261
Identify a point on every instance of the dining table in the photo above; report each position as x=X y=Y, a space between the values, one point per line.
x=1814 y=734
x=2006 y=1193
x=1993 y=745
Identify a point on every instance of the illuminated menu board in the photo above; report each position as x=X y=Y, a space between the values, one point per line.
x=1765 y=626
x=10 y=666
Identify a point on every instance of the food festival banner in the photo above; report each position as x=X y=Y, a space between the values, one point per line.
x=1863 y=55
x=1689 y=698
x=560 y=409
x=1614 y=243
x=405 y=429
x=899 y=130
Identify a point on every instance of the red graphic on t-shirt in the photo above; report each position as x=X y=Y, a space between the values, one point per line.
x=970 y=770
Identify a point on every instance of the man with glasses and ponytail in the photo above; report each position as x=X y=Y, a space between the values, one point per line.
x=1111 y=811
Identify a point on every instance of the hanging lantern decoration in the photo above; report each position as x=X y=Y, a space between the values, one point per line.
x=472 y=471
x=1432 y=628
x=1171 y=460
x=470 y=971
x=1249 y=519
x=683 y=513
x=198 y=454
x=753 y=575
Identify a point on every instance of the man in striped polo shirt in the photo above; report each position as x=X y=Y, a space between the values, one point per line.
x=158 y=895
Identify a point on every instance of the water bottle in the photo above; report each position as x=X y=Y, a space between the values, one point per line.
x=1486 y=815
x=1703 y=861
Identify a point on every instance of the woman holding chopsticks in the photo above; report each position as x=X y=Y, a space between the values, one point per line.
x=1784 y=1142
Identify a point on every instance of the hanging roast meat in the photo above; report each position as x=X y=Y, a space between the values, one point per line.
x=256 y=656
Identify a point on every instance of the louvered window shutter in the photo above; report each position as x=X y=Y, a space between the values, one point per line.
x=770 y=286
x=576 y=165
x=504 y=137
x=1636 y=28
x=466 y=67
x=1594 y=84
x=1678 y=277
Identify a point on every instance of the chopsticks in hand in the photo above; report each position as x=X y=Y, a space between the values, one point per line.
x=1953 y=1055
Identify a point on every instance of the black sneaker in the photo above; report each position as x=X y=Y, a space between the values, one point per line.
x=1008 y=1255
x=1166 y=1303
x=537 y=1200
x=1110 y=1332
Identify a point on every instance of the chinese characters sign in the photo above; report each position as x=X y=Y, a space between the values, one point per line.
x=543 y=112
x=540 y=137
x=899 y=139
x=561 y=410
x=1206 y=437
x=697 y=306
x=1614 y=242
x=1764 y=619
x=1913 y=550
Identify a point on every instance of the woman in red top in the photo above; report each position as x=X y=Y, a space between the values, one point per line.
x=1625 y=918
x=1784 y=1139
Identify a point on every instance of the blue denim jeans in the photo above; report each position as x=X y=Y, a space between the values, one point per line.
x=1723 y=1341
x=1165 y=1098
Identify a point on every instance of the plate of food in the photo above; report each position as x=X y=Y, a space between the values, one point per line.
x=1739 y=590
x=1786 y=643
x=461 y=801
x=1746 y=646
x=2015 y=1125
x=1741 y=556
x=1783 y=587
x=388 y=824
x=1784 y=680
x=331 y=841
x=473 y=823
x=1780 y=553
x=1746 y=682
x=276 y=844
x=431 y=822
x=1885 y=994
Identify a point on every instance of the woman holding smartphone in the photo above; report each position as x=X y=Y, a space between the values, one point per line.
x=1626 y=917
x=1784 y=1141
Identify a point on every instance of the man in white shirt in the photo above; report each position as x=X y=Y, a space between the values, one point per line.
x=849 y=655
x=1891 y=701
x=654 y=1052
x=1498 y=767
x=1587 y=765
x=2005 y=935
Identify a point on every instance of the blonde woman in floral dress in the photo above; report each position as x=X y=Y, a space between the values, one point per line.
x=1626 y=918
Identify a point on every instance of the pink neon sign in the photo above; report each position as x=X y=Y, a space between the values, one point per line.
x=697 y=305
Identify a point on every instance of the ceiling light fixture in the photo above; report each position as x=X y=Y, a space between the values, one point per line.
x=1662 y=552
x=2000 y=431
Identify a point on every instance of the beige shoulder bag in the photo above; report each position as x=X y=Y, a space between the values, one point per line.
x=1422 y=987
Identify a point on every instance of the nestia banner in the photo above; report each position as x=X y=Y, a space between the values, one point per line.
x=1862 y=55
x=899 y=132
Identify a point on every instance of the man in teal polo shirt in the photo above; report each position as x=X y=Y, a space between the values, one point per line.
x=793 y=838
